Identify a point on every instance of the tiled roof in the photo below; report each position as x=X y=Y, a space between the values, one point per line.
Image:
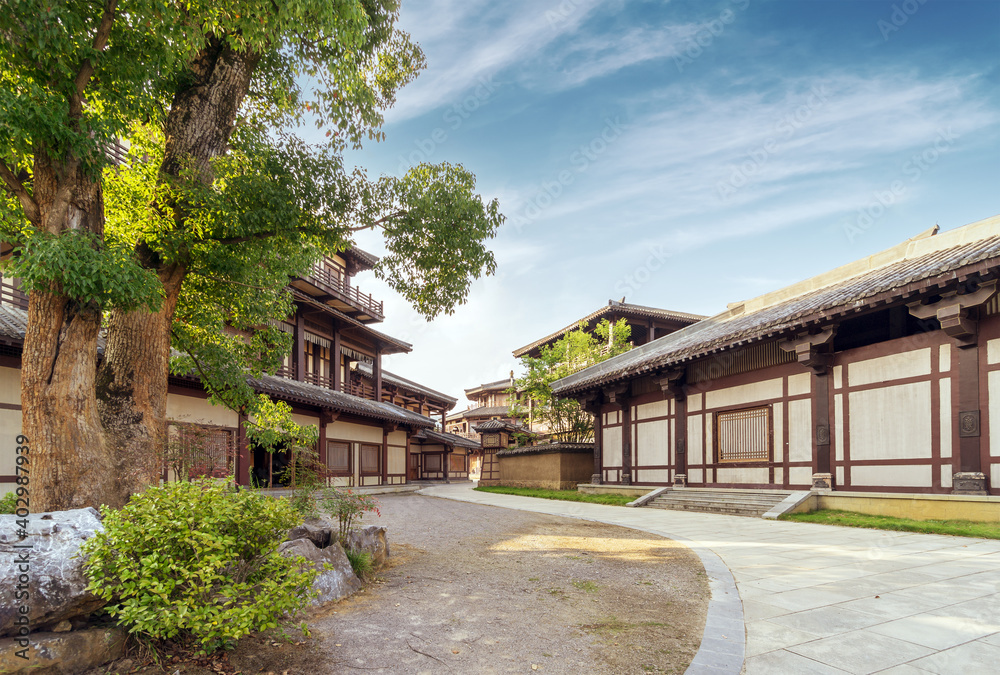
x=614 y=307
x=484 y=411
x=447 y=439
x=399 y=345
x=500 y=425
x=548 y=449
x=879 y=278
x=13 y=323
x=362 y=258
x=366 y=371
x=499 y=385
x=337 y=400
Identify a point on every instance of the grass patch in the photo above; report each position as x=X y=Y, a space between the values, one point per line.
x=587 y=586
x=959 y=528
x=565 y=495
x=361 y=562
x=613 y=625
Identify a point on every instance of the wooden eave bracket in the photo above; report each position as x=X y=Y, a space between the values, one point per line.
x=812 y=350
x=590 y=401
x=328 y=417
x=672 y=382
x=955 y=313
x=617 y=394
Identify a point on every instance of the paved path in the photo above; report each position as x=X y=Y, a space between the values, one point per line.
x=824 y=599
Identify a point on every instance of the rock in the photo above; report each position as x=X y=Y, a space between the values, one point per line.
x=317 y=535
x=52 y=567
x=63 y=626
x=333 y=584
x=372 y=539
x=60 y=653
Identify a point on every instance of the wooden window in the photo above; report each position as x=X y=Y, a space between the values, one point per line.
x=200 y=450
x=371 y=456
x=743 y=435
x=432 y=463
x=338 y=457
x=457 y=463
x=491 y=440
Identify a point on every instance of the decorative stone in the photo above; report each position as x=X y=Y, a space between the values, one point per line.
x=822 y=482
x=596 y=479
x=52 y=567
x=969 y=483
x=333 y=584
x=318 y=535
x=626 y=479
x=680 y=480
x=373 y=540
x=60 y=653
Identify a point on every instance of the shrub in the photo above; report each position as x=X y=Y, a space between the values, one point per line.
x=198 y=562
x=8 y=503
x=348 y=506
x=361 y=562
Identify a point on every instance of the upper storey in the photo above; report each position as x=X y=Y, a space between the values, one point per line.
x=330 y=283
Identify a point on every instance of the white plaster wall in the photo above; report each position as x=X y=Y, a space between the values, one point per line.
x=397 y=438
x=741 y=475
x=694 y=443
x=694 y=403
x=838 y=426
x=995 y=474
x=305 y=421
x=348 y=431
x=946 y=476
x=993 y=351
x=892 y=367
x=778 y=439
x=10 y=429
x=891 y=423
x=199 y=411
x=944 y=358
x=653 y=476
x=652 y=443
x=613 y=417
x=800 y=475
x=612 y=447
x=10 y=385
x=799 y=384
x=799 y=431
x=397 y=460
x=838 y=377
x=695 y=476
x=840 y=476
x=779 y=475
x=945 y=413
x=993 y=380
x=655 y=409
x=746 y=393
x=895 y=476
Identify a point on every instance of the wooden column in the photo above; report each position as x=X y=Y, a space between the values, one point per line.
x=968 y=405
x=335 y=359
x=822 y=447
x=592 y=403
x=385 y=455
x=446 y=462
x=377 y=373
x=619 y=396
x=299 y=351
x=673 y=383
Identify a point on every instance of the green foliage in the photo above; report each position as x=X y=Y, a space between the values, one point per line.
x=564 y=495
x=960 y=528
x=197 y=561
x=8 y=503
x=532 y=393
x=361 y=562
x=348 y=507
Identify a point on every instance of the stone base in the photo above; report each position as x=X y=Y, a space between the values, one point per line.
x=822 y=482
x=596 y=479
x=626 y=480
x=969 y=483
x=680 y=480
x=54 y=653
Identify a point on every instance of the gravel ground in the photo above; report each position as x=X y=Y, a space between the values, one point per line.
x=478 y=589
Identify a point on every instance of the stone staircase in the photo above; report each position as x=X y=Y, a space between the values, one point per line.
x=731 y=502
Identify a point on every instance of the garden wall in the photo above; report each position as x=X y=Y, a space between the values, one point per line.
x=557 y=466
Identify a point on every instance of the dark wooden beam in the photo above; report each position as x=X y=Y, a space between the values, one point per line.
x=300 y=346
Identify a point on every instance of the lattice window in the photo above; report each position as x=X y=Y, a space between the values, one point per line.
x=197 y=450
x=338 y=457
x=370 y=456
x=432 y=463
x=743 y=435
x=457 y=463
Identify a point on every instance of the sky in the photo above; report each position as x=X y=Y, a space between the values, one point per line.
x=683 y=155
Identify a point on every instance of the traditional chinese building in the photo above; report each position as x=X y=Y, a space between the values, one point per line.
x=882 y=375
x=375 y=428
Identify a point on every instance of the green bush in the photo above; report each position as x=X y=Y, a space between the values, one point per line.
x=361 y=562
x=198 y=562
x=347 y=506
x=8 y=504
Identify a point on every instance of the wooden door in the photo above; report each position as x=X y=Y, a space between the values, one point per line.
x=414 y=473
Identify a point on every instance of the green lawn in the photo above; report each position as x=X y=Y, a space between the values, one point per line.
x=566 y=495
x=960 y=528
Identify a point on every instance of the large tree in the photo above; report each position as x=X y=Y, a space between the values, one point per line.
x=189 y=243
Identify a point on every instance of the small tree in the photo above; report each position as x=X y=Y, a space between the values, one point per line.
x=532 y=397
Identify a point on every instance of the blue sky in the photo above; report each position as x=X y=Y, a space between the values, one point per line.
x=685 y=154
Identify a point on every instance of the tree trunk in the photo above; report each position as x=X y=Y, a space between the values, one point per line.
x=70 y=463
x=132 y=383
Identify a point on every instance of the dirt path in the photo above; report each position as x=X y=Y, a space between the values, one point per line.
x=477 y=589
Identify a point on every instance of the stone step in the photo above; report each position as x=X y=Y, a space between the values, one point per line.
x=736 y=502
x=746 y=502
x=728 y=510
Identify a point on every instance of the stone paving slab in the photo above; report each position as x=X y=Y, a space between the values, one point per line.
x=819 y=598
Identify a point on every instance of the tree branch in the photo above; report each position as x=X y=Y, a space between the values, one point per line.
x=87 y=67
x=227 y=281
x=16 y=187
x=379 y=222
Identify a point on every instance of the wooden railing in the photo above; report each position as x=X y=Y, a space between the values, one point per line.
x=319 y=380
x=471 y=435
x=11 y=296
x=331 y=276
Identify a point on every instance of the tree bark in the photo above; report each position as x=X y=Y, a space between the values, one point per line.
x=70 y=463
x=132 y=383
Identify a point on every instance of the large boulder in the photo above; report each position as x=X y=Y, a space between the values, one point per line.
x=333 y=583
x=315 y=532
x=61 y=653
x=373 y=540
x=47 y=561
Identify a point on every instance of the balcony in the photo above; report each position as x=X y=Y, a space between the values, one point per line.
x=328 y=283
x=471 y=435
x=10 y=295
